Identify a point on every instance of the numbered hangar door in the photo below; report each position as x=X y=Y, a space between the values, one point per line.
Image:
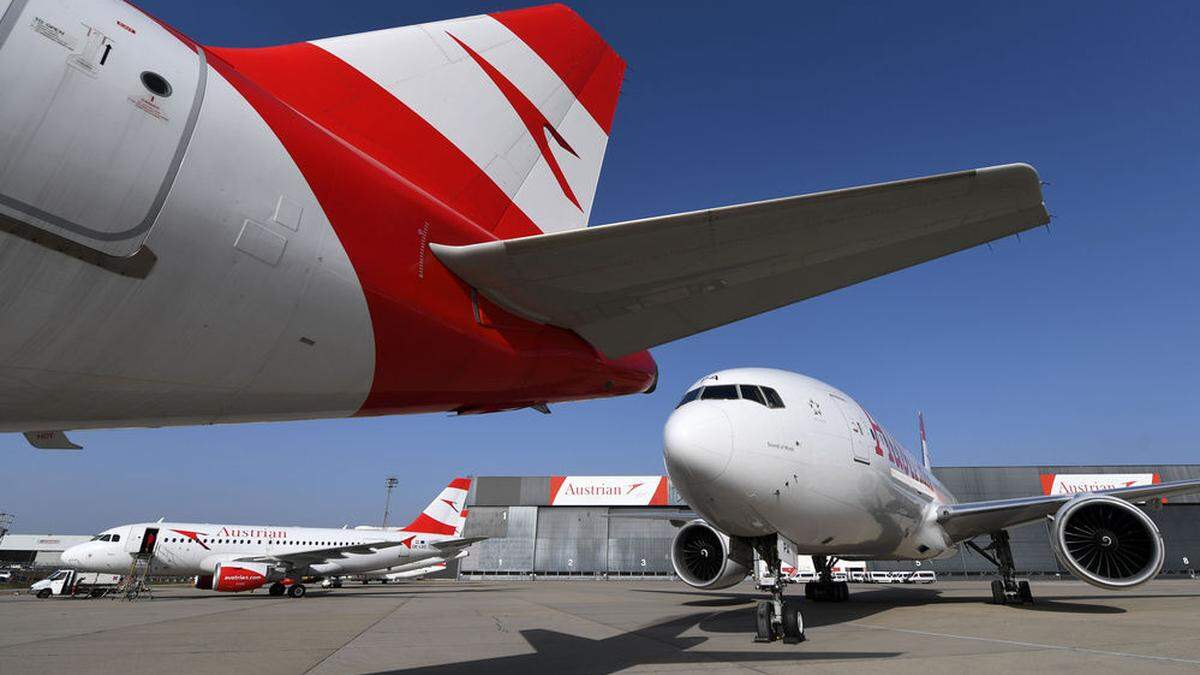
x=639 y=545
x=509 y=549
x=97 y=103
x=571 y=540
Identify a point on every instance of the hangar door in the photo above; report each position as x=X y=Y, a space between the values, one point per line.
x=97 y=102
x=509 y=550
x=639 y=545
x=571 y=540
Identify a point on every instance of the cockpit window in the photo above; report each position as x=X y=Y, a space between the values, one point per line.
x=773 y=400
x=720 y=392
x=690 y=396
x=107 y=537
x=751 y=393
x=116 y=537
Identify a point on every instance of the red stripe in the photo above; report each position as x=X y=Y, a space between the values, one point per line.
x=427 y=525
x=556 y=483
x=356 y=109
x=460 y=484
x=1047 y=483
x=575 y=52
x=660 y=493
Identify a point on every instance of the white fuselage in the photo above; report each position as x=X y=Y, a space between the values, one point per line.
x=197 y=548
x=818 y=471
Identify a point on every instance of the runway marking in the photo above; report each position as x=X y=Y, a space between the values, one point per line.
x=1035 y=645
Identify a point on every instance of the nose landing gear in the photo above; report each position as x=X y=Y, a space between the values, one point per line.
x=776 y=618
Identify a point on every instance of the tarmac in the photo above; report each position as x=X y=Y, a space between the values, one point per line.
x=600 y=627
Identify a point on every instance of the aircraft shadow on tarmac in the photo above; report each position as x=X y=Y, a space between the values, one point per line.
x=863 y=604
x=661 y=643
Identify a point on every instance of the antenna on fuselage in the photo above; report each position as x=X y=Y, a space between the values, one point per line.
x=924 y=444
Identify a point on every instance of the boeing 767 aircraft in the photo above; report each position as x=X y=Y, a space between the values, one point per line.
x=760 y=454
x=381 y=223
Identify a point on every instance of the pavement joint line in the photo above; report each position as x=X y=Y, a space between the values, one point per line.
x=1034 y=645
x=359 y=634
x=638 y=632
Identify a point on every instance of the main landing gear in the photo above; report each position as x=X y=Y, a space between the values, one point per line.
x=295 y=590
x=1007 y=588
x=825 y=589
x=776 y=618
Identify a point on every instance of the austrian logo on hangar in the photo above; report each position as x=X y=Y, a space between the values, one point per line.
x=608 y=490
x=1072 y=483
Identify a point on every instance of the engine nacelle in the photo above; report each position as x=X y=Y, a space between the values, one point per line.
x=1107 y=542
x=203 y=582
x=705 y=557
x=237 y=577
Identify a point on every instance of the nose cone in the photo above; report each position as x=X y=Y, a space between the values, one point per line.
x=70 y=557
x=697 y=443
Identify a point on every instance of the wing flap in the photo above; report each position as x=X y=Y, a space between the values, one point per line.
x=629 y=286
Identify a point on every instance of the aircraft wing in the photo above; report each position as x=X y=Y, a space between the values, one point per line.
x=456 y=543
x=970 y=519
x=633 y=285
x=317 y=556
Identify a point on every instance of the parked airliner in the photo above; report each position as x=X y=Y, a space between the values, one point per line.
x=233 y=558
x=760 y=454
x=197 y=235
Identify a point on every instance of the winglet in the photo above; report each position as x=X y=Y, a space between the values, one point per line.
x=924 y=445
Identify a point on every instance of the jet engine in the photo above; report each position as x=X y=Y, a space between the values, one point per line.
x=1107 y=542
x=203 y=582
x=237 y=577
x=705 y=557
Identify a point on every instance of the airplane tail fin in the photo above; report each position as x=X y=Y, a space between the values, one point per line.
x=924 y=444
x=445 y=515
x=503 y=117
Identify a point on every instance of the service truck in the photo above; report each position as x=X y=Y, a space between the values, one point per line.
x=75 y=584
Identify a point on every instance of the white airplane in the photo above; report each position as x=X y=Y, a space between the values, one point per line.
x=416 y=570
x=195 y=235
x=233 y=558
x=760 y=453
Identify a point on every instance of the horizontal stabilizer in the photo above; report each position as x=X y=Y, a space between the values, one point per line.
x=633 y=285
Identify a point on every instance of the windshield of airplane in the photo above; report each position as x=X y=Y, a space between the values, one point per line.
x=764 y=396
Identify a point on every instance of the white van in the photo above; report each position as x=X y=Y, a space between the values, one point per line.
x=878 y=577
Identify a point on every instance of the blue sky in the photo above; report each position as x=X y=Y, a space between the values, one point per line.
x=1074 y=345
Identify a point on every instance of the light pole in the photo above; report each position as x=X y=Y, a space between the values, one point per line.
x=391 y=483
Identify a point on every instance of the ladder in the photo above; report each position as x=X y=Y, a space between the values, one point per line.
x=134 y=584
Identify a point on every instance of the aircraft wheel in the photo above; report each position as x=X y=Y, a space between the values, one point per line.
x=765 y=630
x=276 y=589
x=843 y=591
x=296 y=591
x=43 y=594
x=810 y=590
x=793 y=623
x=1024 y=592
x=998 y=597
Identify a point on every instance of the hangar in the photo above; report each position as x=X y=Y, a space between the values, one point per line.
x=588 y=526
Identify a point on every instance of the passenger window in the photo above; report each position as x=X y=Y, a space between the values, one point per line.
x=721 y=392
x=773 y=400
x=752 y=393
x=690 y=396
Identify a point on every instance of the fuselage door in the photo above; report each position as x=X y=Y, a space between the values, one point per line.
x=97 y=102
x=861 y=443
